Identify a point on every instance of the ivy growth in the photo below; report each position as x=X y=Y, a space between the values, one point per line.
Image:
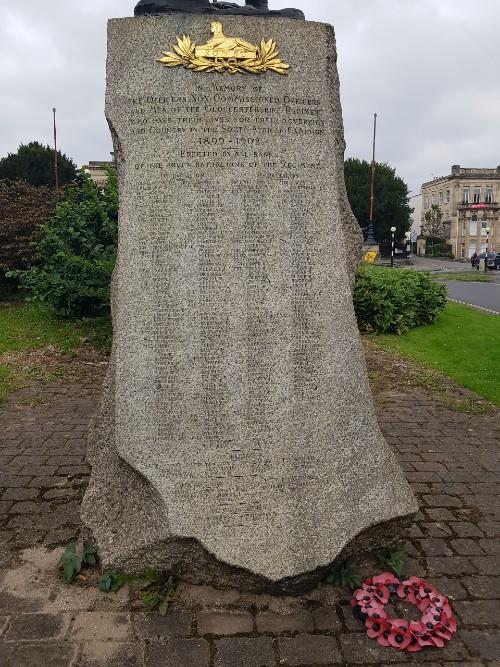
x=158 y=588
x=393 y=559
x=73 y=559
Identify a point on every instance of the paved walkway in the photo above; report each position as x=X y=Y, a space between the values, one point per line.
x=452 y=459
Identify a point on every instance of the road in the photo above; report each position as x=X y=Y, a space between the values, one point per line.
x=482 y=295
x=438 y=265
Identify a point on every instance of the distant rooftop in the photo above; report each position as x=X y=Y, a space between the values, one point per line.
x=467 y=172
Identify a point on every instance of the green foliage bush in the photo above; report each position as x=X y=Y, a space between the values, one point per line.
x=77 y=251
x=437 y=248
x=34 y=163
x=396 y=300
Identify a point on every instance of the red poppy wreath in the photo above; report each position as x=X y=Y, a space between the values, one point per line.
x=435 y=628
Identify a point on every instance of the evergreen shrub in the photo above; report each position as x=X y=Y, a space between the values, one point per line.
x=77 y=251
x=396 y=300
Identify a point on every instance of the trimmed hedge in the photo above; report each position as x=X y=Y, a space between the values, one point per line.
x=396 y=300
x=24 y=209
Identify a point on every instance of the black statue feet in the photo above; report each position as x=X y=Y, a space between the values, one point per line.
x=252 y=8
x=145 y=7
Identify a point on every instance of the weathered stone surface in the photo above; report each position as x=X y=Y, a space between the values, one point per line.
x=237 y=430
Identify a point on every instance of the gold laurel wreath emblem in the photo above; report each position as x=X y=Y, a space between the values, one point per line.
x=225 y=54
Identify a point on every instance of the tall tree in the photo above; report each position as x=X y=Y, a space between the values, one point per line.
x=34 y=163
x=433 y=223
x=392 y=208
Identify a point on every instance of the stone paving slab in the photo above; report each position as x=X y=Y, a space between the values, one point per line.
x=451 y=458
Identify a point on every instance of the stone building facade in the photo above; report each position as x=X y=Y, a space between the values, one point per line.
x=469 y=200
x=97 y=171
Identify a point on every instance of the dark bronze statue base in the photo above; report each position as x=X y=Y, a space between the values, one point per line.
x=252 y=8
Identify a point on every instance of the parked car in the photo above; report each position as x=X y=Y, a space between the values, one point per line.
x=493 y=261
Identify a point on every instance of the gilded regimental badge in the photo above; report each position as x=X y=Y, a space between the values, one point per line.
x=225 y=54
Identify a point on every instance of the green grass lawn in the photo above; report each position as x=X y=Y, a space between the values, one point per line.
x=32 y=327
x=472 y=276
x=464 y=344
x=27 y=327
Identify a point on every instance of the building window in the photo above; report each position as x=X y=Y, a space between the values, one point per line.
x=426 y=200
x=488 y=195
x=441 y=198
x=465 y=196
x=472 y=248
x=473 y=225
x=484 y=224
x=433 y=198
x=477 y=195
x=448 y=195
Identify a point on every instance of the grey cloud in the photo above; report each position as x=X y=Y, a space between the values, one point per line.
x=427 y=67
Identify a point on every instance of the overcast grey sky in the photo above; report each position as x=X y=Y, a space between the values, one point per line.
x=429 y=68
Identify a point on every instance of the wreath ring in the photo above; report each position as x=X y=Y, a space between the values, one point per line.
x=435 y=627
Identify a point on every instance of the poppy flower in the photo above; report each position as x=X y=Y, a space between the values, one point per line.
x=407 y=592
x=426 y=591
x=413 y=646
x=414 y=582
x=375 y=626
x=441 y=605
x=367 y=606
x=424 y=605
x=416 y=631
x=385 y=579
x=425 y=640
x=450 y=623
x=399 y=636
x=383 y=639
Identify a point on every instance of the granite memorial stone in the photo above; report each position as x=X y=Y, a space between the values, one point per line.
x=237 y=431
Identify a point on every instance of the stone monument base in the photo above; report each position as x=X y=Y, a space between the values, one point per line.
x=132 y=533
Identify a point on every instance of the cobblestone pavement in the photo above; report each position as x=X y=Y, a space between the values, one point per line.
x=452 y=459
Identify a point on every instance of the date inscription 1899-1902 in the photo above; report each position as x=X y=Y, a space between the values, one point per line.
x=251 y=8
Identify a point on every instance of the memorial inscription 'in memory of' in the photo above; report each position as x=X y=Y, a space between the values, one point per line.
x=203 y=196
x=240 y=375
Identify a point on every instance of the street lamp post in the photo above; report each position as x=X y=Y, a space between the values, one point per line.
x=56 y=167
x=370 y=237
x=487 y=230
x=393 y=230
x=409 y=244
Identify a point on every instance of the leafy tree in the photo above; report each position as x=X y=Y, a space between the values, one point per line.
x=77 y=250
x=34 y=163
x=435 y=233
x=433 y=223
x=391 y=208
